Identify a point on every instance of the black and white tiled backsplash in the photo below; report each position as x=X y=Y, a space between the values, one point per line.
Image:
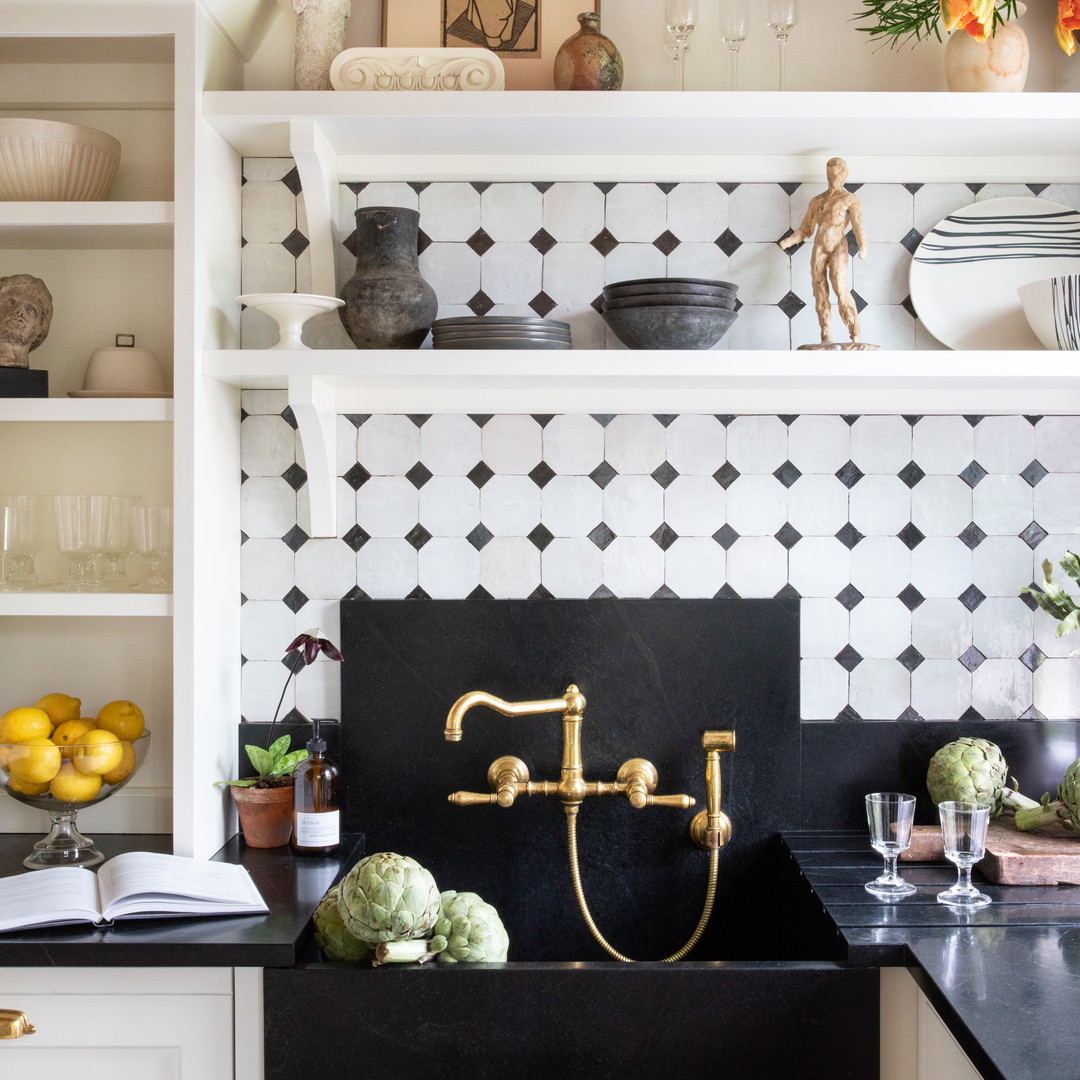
x=906 y=537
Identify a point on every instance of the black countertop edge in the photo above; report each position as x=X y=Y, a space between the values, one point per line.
x=292 y=886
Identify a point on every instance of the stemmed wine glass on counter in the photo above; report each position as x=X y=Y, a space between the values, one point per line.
x=963 y=832
x=890 y=815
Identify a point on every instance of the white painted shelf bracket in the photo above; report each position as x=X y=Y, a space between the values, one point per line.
x=314 y=404
x=317 y=163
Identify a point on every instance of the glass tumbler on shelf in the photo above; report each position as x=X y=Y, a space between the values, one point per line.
x=963 y=832
x=152 y=538
x=889 y=815
x=681 y=18
x=117 y=542
x=734 y=16
x=81 y=521
x=22 y=534
x=781 y=17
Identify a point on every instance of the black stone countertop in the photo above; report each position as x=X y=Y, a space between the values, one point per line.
x=1005 y=979
x=291 y=885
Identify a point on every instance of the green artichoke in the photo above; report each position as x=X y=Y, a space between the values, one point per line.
x=1064 y=809
x=473 y=930
x=973 y=770
x=388 y=897
x=331 y=936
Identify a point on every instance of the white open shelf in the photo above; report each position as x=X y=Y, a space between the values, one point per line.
x=75 y=410
x=68 y=225
x=94 y=604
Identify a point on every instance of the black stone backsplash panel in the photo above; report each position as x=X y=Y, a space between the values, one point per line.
x=656 y=674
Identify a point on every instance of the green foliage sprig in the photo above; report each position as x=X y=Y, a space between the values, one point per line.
x=901 y=22
x=1054 y=600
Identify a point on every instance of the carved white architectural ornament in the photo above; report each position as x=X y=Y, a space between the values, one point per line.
x=417 y=69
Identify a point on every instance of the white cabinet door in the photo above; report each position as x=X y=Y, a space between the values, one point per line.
x=100 y=1023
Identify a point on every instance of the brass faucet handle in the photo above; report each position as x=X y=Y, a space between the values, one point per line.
x=508 y=777
x=471 y=798
x=639 y=778
x=718 y=740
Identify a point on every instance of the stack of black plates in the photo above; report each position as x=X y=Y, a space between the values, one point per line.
x=500 y=332
x=669 y=313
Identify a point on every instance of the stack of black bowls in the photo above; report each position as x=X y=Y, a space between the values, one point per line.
x=669 y=313
x=499 y=332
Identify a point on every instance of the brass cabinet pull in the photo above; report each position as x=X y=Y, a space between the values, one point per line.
x=13 y=1024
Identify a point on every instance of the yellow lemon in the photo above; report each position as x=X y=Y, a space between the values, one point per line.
x=123 y=718
x=97 y=752
x=124 y=769
x=70 y=785
x=23 y=787
x=34 y=760
x=25 y=722
x=69 y=732
x=60 y=707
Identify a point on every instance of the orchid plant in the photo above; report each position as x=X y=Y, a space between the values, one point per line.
x=900 y=21
x=274 y=765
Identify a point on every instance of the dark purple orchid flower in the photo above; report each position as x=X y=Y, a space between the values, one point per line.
x=307 y=647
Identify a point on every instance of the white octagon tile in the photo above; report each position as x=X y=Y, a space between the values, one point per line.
x=573 y=273
x=511 y=505
x=573 y=212
x=633 y=505
x=572 y=567
x=260 y=690
x=266 y=569
x=449 y=211
x=1056 y=689
x=758 y=327
x=695 y=566
x=817 y=505
x=697 y=212
x=449 y=444
x=696 y=444
x=511 y=211
x=1002 y=565
x=882 y=277
x=1002 y=504
x=325 y=569
x=387 y=506
x=888 y=212
x=942 y=444
x=267 y=507
x=819 y=444
x=823 y=689
x=1057 y=503
x=757 y=566
x=756 y=505
x=386 y=568
x=759 y=212
x=880 y=628
x=763 y=272
x=941 y=566
x=941 y=505
x=266 y=628
x=694 y=506
x=573 y=443
x=818 y=567
x=880 y=505
x=881 y=444
x=823 y=629
x=269 y=168
x=449 y=568
x=449 y=506
x=264 y=401
x=1004 y=444
x=940 y=690
x=757 y=444
x=698 y=261
x=633 y=566
x=388 y=445
x=880 y=566
x=512 y=443
x=267 y=445
x=636 y=213
x=941 y=629
x=267 y=212
x=510 y=567
x=1057 y=443
x=880 y=689
x=634 y=443
x=1001 y=689
x=511 y=272
x=571 y=505
x=393 y=193
x=452 y=270
x=630 y=261
x=1002 y=627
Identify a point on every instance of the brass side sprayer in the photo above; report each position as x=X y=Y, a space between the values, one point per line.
x=636 y=778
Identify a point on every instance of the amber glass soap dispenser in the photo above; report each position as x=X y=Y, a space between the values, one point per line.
x=316 y=814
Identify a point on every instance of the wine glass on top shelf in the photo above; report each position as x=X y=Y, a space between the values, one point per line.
x=781 y=17
x=734 y=16
x=681 y=18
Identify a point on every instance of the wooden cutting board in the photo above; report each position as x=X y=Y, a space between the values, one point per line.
x=1047 y=856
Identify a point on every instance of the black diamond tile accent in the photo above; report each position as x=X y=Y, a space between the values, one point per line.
x=726 y=475
x=974 y=188
x=543 y=419
x=356 y=538
x=292 y=180
x=848 y=715
x=418 y=594
x=289 y=417
x=664 y=536
x=725 y=536
x=665 y=419
x=541 y=536
x=911 y=658
x=418 y=185
x=480 y=242
x=790 y=187
x=356 y=476
x=849 y=536
x=295 y=538
x=665 y=474
x=849 y=597
x=601 y=592
x=480 y=536
x=480 y=186
x=480 y=474
x=972 y=597
x=973 y=419
x=667 y=242
x=419 y=419
x=909 y=307
x=244 y=538
x=728 y=242
x=243 y=477
x=973 y=474
x=860 y=303
x=603 y=419
x=294 y=599
x=418 y=475
x=973 y=536
x=910 y=715
x=971 y=658
x=787 y=474
x=848 y=658
x=849 y=418
x=1034 y=472
x=418 y=536
x=788 y=592
x=727 y=419
x=604 y=242
x=728 y=186
x=794 y=247
x=349 y=243
x=912 y=240
x=541 y=303
x=601 y=536
x=1028 y=600
x=356 y=186
x=604 y=185
x=1034 y=535
x=296 y=243
x=666 y=187
x=356 y=593
x=1032 y=657
x=912 y=188
x=542 y=240
x=664 y=593
x=910 y=597
x=602 y=475
x=479 y=419
x=479 y=593
x=911 y=474
x=423 y=241
x=540 y=593
x=1032 y=420
x=542 y=185
x=357 y=419
x=726 y=592
x=480 y=303
x=791 y=305
x=1031 y=713
x=597 y=303
x=911 y=536
x=911 y=419
x=787 y=419
x=788 y=535
x=852 y=244
x=541 y=474
x=849 y=474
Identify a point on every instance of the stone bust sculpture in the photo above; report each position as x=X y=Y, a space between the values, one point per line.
x=25 y=315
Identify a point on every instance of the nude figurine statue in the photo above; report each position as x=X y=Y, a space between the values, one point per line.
x=831 y=214
x=25 y=316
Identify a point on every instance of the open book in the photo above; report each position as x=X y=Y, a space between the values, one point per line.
x=137 y=884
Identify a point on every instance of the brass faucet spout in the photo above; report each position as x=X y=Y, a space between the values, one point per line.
x=571 y=701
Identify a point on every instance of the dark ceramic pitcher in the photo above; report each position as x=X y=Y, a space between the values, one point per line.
x=388 y=305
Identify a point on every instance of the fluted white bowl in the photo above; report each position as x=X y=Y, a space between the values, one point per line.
x=52 y=161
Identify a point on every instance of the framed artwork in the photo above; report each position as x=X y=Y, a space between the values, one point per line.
x=525 y=34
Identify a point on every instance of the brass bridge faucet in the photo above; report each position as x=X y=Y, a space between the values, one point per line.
x=508 y=777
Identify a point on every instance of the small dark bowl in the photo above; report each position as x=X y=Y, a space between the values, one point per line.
x=668 y=300
x=669 y=327
x=659 y=287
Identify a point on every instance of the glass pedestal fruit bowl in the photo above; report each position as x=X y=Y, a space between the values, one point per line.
x=63 y=780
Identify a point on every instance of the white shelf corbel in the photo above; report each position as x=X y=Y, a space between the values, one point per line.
x=314 y=404
x=317 y=163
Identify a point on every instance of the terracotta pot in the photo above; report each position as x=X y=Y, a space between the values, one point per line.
x=588 y=60
x=997 y=65
x=265 y=815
